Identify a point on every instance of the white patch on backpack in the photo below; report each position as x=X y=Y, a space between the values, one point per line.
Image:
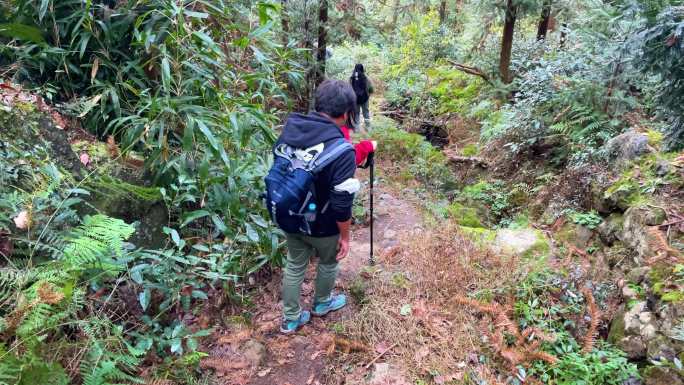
x=308 y=154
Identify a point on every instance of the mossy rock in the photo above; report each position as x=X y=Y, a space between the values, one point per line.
x=527 y=243
x=481 y=236
x=617 y=327
x=659 y=375
x=464 y=216
x=575 y=235
x=622 y=194
x=609 y=230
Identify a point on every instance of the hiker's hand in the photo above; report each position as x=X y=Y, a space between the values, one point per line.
x=375 y=144
x=342 y=248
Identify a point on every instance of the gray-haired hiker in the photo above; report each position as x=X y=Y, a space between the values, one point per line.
x=310 y=190
x=363 y=89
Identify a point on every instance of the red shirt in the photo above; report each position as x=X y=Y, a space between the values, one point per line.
x=363 y=148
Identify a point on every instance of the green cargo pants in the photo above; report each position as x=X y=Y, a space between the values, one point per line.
x=300 y=248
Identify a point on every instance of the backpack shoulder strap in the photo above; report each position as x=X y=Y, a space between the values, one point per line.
x=331 y=153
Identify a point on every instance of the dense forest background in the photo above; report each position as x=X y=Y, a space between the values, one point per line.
x=539 y=142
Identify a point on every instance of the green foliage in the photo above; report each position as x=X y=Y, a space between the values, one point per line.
x=590 y=219
x=424 y=162
x=553 y=302
x=660 y=47
x=603 y=365
x=455 y=91
x=498 y=199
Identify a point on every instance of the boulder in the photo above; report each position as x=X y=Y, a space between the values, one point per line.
x=662 y=167
x=627 y=146
x=524 y=242
x=658 y=375
x=610 y=228
x=631 y=330
x=620 y=195
x=575 y=235
x=634 y=347
x=661 y=347
x=635 y=228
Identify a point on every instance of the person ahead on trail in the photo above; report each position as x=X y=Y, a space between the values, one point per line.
x=310 y=191
x=362 y=88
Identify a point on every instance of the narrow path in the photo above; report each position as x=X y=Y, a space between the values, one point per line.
x=259 y=355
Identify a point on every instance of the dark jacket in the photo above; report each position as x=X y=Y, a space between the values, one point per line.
x=360 y=84
x=304 y=131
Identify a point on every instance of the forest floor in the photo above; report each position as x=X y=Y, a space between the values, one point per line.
x=259 y=355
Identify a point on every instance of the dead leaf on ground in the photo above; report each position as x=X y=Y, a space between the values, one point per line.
x=381 y=347
x=310 y=380
x=263 y=373
x=422 y=353
x=448 y=377
x=315 y=355
x=236 y=337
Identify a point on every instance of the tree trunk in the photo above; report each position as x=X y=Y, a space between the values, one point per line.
x=543 y=27
x=310 y=65
x=442 y=12
x=395 y=14
x=322 y=41
x=285 y=21
x=507 y=42
x=563 y=35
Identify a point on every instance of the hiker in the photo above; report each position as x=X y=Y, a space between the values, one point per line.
x=312 y=150
x=362 y=88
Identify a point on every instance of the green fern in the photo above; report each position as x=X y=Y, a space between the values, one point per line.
x=105 y=184
x=93 y=243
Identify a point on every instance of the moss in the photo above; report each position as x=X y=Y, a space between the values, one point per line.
x=540 y=249
x=470 y=150
x=400 y=280
x=97 y=151
x=673 y=296
x=623 y=193
x=464 y=216
x=357 y=289
x=617 y=329
x=655 y=138
x=481 y=236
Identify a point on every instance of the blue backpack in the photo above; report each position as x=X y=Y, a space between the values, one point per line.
x=290 y=192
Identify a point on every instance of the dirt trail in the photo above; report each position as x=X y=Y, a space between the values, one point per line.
x=259 y=355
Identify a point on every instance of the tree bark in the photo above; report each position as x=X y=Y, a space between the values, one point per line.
x=285 y=22
x=395 y=14
x=442 y=12
x=310 y=65
x=544 y=20
x=563 y=35
x=507 y=42
x=322 y=41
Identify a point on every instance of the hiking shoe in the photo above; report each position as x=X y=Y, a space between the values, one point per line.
x=291 y=326
x=336 y=302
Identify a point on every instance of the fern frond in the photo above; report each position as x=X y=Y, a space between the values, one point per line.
x=92 y=243
x=595 y=314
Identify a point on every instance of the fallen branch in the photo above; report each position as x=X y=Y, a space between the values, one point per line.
x=374 y=360
x=471 y=71
x=468 y=159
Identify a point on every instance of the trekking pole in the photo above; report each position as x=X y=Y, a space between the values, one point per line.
x=371 y=164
